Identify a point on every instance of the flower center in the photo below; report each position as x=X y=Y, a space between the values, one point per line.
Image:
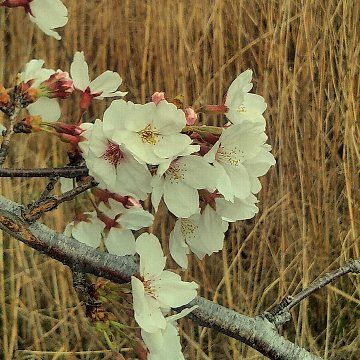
x=234 y=156
x=175 y=173
x=188 y=229
x=149 y=135
x=241 y=109
x=113 y=154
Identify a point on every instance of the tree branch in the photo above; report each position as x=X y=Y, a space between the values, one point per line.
x=259 y=332
x=66 y=172
x=5 y=145
x=280 y=314
x=35 y=210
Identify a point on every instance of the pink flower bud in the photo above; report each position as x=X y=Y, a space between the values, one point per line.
x=156 y=97
x=59 y=85
x=190 y=115
x=16 y=3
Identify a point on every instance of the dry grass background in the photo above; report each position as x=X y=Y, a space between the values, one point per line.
x=305 y=57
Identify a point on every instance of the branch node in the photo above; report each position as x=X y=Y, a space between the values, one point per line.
x=354 y=266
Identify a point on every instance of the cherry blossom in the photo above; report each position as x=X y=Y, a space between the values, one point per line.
x=120 y=221
x=203 y=234
x=35 y=79
x=156 y=290
x=151 y=132
x=239 y=155
x=112 y=165
x=242 y=105
x=179 y=180
x=105 y=85
x=46 y=14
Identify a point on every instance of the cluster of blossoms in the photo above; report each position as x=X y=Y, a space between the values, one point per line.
x=206 y=176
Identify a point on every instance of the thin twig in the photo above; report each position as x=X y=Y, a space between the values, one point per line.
x=49 y=188
x=35 y=210
x=66 y=172
x=5 y=145
x=256 y=332
x=280 y=314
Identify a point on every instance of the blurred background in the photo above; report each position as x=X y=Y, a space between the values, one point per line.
x=305 y=58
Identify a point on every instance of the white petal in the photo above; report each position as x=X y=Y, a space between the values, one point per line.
x=178 y=247
x=157 y=191
x=170 y=290
x=79 y=71
x=198 y=173
x=88 y=233
x=181 y=199
x=48 y=109
x=106 y=84
x=152 y=259
x=120 y=242
x=136 y=219
x=147 y=315
x=48 y=15
x=238 y=210
x=172 y=145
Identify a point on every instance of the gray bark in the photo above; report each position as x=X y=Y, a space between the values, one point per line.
x=258 y=332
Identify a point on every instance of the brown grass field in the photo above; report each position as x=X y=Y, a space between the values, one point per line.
x=305 y=56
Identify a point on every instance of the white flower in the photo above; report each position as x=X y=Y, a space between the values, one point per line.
x=241 y=104
x=87 y=229
x=156 y=290
x=112 y=165
x=120 y=222
x=48 y=15
x=240 y=209
x=151 y=132
x=105 y=85
x=179 y=181
x=236 y=155
x=165 y=344
x=203 y=234
x=48 y=109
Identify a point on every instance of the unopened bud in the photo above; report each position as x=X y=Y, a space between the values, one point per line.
x=59 y=85
x=156 y=97
x=190 y=115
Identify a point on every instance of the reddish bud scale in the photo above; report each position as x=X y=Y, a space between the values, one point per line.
x=26 y=93
x=69 y=129
x=104 y=196
x=17 y=3
x=86 y=99
x=59 y=85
